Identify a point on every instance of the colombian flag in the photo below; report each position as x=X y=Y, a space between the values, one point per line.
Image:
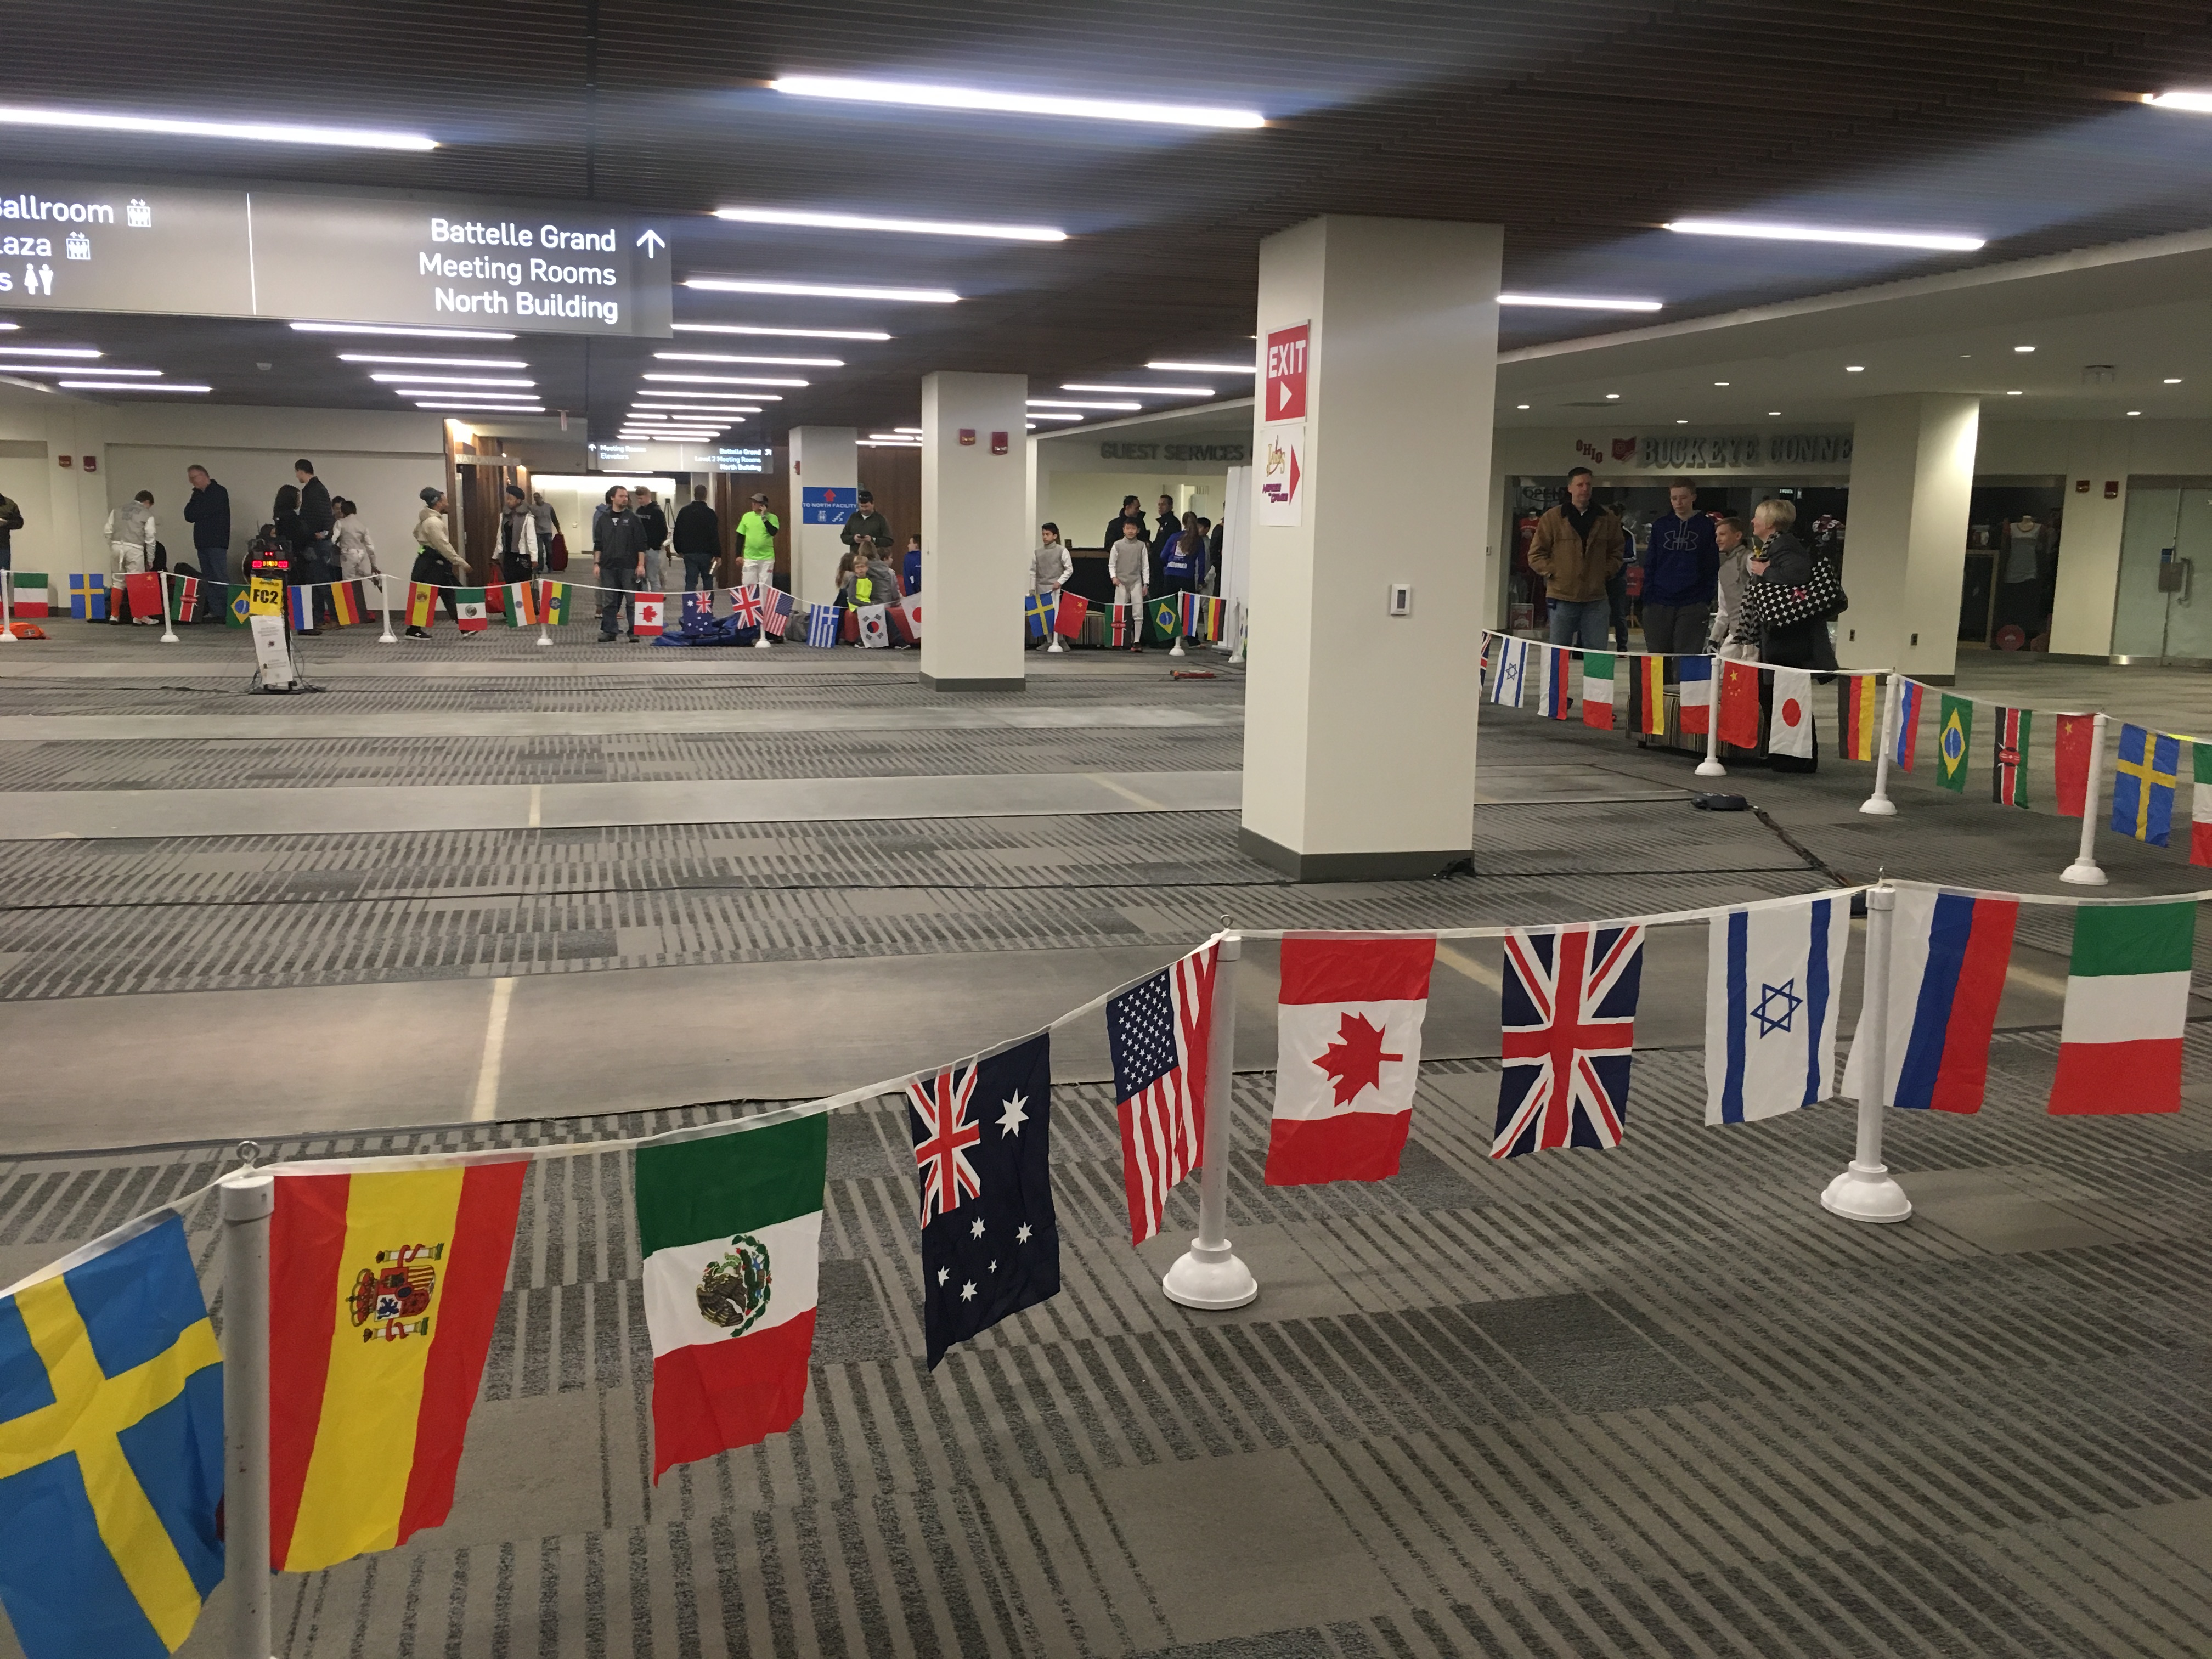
x=346 y=600
x=300 y=606
x=421 y=604
x=384 y=1289
x=553 y=601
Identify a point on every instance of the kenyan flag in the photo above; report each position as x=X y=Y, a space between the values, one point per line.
x=731 y=1229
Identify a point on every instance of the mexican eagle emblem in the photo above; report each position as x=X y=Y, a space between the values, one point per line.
x=733 y=1291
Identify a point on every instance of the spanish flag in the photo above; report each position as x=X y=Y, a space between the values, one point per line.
x=384 y=1289
x=421 y=604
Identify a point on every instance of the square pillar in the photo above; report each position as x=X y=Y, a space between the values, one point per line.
x=1912 y=483
x=975 y=533
x=1356 y=763
x=2082 y=610
x=822 y=457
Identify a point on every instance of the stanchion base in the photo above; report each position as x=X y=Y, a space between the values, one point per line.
x=1211 y=1278
x=1710 y=767
x=2084 y=872
x=169 y=639
x=389 y=639
x=1879 y=806
x=1866 y=1192
x=1176 y=650
x=760 y=644
x=1053 y=650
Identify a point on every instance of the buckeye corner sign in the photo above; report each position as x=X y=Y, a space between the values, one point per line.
x=1285 y=393
x=330 y=256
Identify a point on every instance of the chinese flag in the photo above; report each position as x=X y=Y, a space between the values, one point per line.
x=144 y=590
x=383 y=1291
x=1068 y=618
x=1740 y=704
x=2070 y=762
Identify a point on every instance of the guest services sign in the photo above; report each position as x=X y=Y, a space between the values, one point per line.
x=330 y=256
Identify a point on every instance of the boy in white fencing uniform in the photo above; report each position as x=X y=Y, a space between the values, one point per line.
x=130 y=537
x=1050 y=566
x=1125 y=564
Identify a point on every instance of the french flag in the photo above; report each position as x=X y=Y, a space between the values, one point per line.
x=1696 y=704
x=1949 y=955
x=1348 y=1034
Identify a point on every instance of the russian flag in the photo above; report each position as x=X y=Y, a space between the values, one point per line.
x=300 y=607
x=1908 y=723
x=1553 y=700
x=1949 y=955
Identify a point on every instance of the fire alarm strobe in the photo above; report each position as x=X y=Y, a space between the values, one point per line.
x=967 y=436
x=998 y=443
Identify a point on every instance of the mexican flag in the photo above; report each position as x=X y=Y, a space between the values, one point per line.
x=2127 y=1001
x=469 y=609
x=1597 y=689
x=731 y=1229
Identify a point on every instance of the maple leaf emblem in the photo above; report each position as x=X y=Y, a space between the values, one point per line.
x=1354 y=1060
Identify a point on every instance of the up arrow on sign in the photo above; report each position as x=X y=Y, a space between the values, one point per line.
x=651 y=242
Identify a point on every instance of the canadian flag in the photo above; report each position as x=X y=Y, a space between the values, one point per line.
x=1792 y=731
x=645 y=614
x=1348 y=1050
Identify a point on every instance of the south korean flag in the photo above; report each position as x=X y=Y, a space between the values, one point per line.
x=875 y=626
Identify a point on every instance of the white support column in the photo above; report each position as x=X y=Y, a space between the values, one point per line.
x=975 y=536
x=822 y=457
x=1912 y=479
x=1344 y=778
x=1209 y=1274
x=249 y=1199
x=2083 y=609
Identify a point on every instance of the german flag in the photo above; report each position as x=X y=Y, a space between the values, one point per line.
x=421 y=604
x=346 y=599
x=384 y=1289
x=1862 y=716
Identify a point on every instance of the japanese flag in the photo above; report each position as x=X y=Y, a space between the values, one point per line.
x=1792 y=731
x=1348 y=1036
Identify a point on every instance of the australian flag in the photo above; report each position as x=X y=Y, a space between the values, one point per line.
x=990 y=1246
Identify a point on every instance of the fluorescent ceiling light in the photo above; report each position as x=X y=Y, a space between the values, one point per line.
x=488 y=409
x=1766 y=233
x=132 y=385
x=79 y=368
x=2013 y=394
x=397 y=328
x=264 y=132
x=728 y=357
x=907 y=431
x=754 y=397
x=2135 y=411
x=433 y=362
x=411 y=378
x=1577 y=302
x=47 y=351
x=887 y=443
x=459 y=391
x=696 y=409
x=1854 y=368
x=1075 y=403
x=1145 y=390
x=2194 y=103
x=894 y=438
x=2023 y=349
x=1613 y=396
x=1047 y=415
x=1520 y=405
x=927 y=296
x=1013 y=103
x=697 y=394
x=907 y=227
x=10 y=327
x=2173 y=379
x=727 y=380
x=1205 y=368
x=758 y=328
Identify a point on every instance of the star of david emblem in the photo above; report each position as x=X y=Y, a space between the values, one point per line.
x=1778 y=1005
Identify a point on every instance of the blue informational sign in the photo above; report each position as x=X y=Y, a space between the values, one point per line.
x=830 y=505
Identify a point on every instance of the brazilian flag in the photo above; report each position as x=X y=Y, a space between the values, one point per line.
x=236 y=611
x=1165 y=616
x=1955 y=735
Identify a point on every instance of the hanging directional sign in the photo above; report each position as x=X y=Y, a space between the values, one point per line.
x=331 y=256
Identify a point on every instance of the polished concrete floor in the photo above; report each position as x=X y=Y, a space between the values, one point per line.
x=1651 y=1401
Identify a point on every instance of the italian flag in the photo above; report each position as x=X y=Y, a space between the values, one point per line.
x=731 y=1229
x=469 y=609
x=2200 y=802
x=2127 y=1001
x=1597 y=689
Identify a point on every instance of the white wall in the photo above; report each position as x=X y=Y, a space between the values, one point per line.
x=975 y=557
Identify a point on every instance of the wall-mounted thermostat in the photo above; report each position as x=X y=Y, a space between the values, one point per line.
x=1402 y=598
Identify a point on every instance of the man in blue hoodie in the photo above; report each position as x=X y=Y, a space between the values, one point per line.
x=1681 y=574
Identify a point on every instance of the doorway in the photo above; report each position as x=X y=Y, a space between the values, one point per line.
x=2163 y=612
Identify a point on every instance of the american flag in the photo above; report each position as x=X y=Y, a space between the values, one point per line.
x=1156 y=1034
x=746 y=606
x=941 y=1148
x=1568 y=1035
x=778 y=614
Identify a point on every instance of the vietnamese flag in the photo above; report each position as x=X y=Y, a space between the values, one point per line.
x=1740 y=704
x=383 y=1291
x=1348 y=1051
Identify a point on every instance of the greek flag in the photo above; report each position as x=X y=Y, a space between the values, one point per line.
x=822 y=625
x=1773 y=979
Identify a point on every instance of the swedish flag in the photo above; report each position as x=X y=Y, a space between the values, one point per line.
x=1039 y=612
x=111 y=1453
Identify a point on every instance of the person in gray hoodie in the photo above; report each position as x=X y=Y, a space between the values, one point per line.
x=1127 y=563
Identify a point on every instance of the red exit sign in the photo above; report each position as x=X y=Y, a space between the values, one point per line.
x=1286 y=391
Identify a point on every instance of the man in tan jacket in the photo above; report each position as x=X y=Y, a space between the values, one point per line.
x=1579 y=548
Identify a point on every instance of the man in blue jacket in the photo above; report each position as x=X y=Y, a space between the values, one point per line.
x=1681 y=575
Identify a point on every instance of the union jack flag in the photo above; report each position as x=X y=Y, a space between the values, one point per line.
x=1157 y=1035
x=1568 y=1035
x=941 y=1103
x=746 y=606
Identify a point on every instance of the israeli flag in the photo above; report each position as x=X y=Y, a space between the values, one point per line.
x=1505 y=670
x=1773 y=978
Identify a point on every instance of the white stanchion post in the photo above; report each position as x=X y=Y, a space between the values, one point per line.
x=1052 y=633
x=1866 y=1191
x=1879 y=804
x=169 y=623
x=1209 y=1275
x=1711 y=767
x=7 y=601
x=1175 y=631
x=761 y=593
x=2084 y=871
x=249 y=1199
x=384 y=607
x=1238 y=626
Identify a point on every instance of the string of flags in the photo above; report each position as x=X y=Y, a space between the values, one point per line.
x=386 y=1275
x=2148 y=768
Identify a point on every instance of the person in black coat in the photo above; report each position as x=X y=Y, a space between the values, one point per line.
x=1785 y=599
x=1130 y=511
